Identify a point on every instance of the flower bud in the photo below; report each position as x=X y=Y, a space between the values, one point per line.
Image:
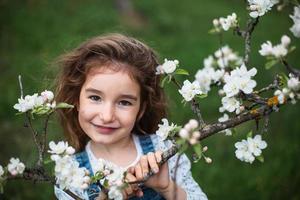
x=187 y=127
x=285 y=40
x=242 y=108
x=196 y=135
x=193 y=141
x=216 y=22
x=221 y=92
x=183 y=133
x=193 y=123
x=204 y=148
x=208 y=160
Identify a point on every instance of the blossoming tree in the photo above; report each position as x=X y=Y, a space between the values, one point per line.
x=240 y=101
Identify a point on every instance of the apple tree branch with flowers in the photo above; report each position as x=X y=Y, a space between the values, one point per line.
x=240 y=101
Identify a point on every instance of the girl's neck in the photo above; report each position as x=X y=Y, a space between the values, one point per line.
x=121 y=153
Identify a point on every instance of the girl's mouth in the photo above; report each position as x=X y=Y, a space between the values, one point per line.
x=104 y=130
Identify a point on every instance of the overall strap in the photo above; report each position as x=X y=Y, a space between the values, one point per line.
x=146 y=143
x=83 y=160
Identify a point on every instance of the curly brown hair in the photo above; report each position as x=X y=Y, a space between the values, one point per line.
x=131 y=55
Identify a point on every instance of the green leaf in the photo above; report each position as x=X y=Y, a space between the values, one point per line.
x=47 y=161
x=260 y=158
x=249 y=134
x=1 y=188
x=234 y=132
x=201 y=96
x=105 y=184
x=271 y=63
x=198 y=150
x=292 y=49
x=63 y=105
x=181 y=72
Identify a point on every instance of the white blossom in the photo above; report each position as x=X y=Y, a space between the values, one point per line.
x=260 y=7
x=47 y=95
x=278 y=51
x=15 y=166
x=58 y=148
x=189 y=90
x=239 y=80
x=248 y=149
x=225 y=56
x=231 y=104
x=209 y=62
x=164 y=129
x=168 y=67
x=243 y=153
x=69 y=175
x=225 y=23
x=224 y=118
x=28 y=103
x=295 y=29
x=266 y=49
x=293 y=83
x=256 y=144
x=207 y=76
x=1 y=171
x=280 y=96
x=115 y=193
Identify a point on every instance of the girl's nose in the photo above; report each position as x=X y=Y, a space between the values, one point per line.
x=107 y=113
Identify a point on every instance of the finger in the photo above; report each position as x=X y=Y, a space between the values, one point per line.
x=124 y=195
x=152 y=162
x=130 y=170
x=128 y=190
x=158 y=156
x=131 y=178
x=139 y=193
x=138 y=172
x=144 y=164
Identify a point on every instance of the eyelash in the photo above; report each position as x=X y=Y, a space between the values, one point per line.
x=125 y=103
x=122 y=102
x=94 y=98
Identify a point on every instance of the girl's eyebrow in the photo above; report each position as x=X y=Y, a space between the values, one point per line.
x=127 y=96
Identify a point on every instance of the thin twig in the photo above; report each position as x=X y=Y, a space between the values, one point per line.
x=44 y=139
x=247 y=36
x=290 y=69
x=21 y=86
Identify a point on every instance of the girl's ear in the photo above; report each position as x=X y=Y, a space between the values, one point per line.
x=141 y=112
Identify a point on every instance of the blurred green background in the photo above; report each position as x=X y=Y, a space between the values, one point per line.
x=35 y=32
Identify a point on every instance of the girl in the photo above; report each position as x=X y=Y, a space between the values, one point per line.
x=118 y=102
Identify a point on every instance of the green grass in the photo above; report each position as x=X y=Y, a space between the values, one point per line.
x=34 y=33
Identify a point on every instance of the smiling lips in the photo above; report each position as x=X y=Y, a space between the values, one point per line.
x=104 y=130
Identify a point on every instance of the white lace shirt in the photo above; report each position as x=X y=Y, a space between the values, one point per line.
x=183 y=175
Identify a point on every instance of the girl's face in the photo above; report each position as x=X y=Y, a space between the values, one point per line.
x=109 y=103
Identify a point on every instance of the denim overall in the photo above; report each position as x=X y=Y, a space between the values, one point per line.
x=94 y=190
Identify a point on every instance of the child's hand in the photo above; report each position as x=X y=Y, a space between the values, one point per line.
x=132 y=189
x=160 y=180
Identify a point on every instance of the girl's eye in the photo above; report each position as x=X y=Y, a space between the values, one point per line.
x=125 y=103
x=94 y=98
